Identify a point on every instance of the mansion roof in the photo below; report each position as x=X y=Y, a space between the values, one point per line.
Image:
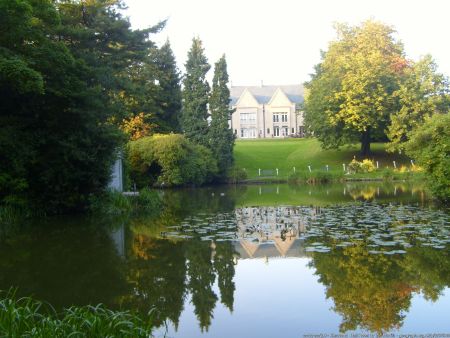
x=264 y=93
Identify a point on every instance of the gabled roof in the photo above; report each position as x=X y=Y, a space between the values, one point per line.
x=264 y=93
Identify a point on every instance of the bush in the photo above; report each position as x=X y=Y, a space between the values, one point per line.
x=236 y=175
x=429 y=145
x=354 y=167
x=170 y=160
x=366 y=166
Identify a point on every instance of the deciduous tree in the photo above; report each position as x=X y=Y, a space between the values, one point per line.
x=422 y=93
x=350 y=97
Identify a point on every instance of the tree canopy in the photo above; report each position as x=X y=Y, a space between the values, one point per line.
x=429 y=145
x=350 y=94
x=422 y=92
x=66 y=74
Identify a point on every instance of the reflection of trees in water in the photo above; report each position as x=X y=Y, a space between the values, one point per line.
x=64 y=263
x=368 y=290
x=374 y=291
x=163 y=272
x=157 y=273
x=201 y=279
x=224 y=266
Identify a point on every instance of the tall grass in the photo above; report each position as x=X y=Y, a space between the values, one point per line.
x=314 y=177
x=26 y=317
x=115 y=203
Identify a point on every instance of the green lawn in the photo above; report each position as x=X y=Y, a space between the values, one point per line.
x=285 y=154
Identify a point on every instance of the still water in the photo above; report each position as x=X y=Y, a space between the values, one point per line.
x=251 y=261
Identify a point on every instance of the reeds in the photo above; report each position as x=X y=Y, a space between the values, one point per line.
x=26 y=317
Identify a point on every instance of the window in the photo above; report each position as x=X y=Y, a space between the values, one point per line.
x=235 y=132
x=276 y=131
x=293 y=132
x=268 y=131
x=276 y=118
x=248 y=132
x=284 y=117
x=248 y=117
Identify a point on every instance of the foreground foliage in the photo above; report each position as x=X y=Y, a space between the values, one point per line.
x=25 y=317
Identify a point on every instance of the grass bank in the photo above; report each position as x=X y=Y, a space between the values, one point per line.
x=262 y=158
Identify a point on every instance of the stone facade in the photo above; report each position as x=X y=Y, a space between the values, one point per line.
x=267 y=111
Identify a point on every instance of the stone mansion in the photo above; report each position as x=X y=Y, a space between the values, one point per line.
x=267 y=111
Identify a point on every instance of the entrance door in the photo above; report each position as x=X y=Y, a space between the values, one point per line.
x=276 y=131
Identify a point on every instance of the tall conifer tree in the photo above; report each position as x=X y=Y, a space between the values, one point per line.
x=169 y=93
x=195 y=94
x=221 y=140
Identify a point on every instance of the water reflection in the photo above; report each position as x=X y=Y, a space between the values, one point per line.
x=372 y=257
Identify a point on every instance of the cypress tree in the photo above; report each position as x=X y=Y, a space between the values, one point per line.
x=221 y=140
x=169 y=93
x=195 y=95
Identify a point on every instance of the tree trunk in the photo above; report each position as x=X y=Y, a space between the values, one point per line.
x=365 y=143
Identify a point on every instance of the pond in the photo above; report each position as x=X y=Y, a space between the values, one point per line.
x=251 y=261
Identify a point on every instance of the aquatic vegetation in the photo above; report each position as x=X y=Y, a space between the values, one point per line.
x=25 y=317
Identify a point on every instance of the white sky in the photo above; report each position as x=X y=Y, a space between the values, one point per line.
x=279 y=41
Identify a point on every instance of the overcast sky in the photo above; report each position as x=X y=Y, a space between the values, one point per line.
x=279 y=41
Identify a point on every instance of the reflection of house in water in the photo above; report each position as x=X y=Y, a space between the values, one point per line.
x=271 y=231
x=118 y=237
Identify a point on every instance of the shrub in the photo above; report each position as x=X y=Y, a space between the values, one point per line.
x=170 y=160
x=236 y=175
x=429 y=145
x=354 y=167
x=367 y=166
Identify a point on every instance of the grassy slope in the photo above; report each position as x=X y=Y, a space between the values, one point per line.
x=288 y=153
